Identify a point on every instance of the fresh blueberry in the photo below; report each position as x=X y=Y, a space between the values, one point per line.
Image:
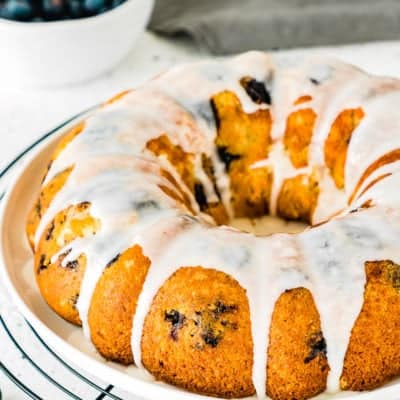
x=47 y=10
x=76 y=9
x=53 y=9
x=19 y=10
x=95 y=6
x=116 y=3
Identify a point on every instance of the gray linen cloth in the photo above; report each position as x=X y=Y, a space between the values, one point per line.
x=230 y=26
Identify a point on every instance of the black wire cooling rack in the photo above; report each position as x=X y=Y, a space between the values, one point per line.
x=38 y=367
x=103 y=392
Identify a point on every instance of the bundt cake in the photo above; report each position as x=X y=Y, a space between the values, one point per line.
x=130 y=234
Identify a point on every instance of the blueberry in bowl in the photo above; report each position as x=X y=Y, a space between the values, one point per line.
x=18 y=10
x=53 y=10
x=47 y=43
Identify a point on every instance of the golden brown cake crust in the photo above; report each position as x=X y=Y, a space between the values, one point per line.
x=58 y=284
x=337 y=143
x=298 y=134
x=242 y=140
x=297 y=367
x=42 y=203
x=373 y=353
x=197 y=334
x=298 y=198
x=184 y=164
x=114 y=300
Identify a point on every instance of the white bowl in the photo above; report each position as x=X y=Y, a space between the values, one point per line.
x=56 y=53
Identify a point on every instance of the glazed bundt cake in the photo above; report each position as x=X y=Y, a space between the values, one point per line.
x=130 y=238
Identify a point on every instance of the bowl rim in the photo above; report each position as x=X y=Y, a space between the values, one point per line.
x=72 y=23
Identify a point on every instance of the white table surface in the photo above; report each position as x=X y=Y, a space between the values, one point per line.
x=27 y=114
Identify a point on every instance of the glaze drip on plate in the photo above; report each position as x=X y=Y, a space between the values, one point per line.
x=148 y=199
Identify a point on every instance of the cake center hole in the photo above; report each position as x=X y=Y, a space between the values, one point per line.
x=267 y=225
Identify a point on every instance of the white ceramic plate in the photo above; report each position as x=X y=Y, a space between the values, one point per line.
x=16 y=268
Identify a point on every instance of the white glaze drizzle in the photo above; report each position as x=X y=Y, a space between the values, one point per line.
x=120 y=178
